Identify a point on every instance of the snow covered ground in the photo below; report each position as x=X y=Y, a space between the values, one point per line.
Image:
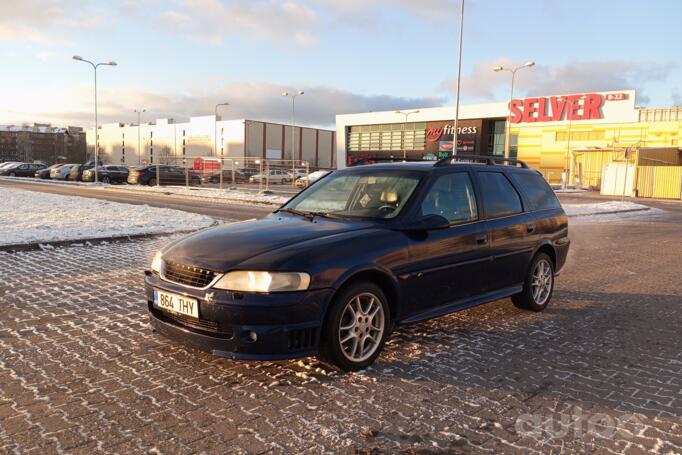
x=611 y=211
x=33 y=217
x=216 y=194
x=211 y=193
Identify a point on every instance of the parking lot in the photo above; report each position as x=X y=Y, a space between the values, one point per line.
x=599 y=371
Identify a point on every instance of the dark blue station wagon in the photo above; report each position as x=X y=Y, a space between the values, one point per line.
x=360 y=251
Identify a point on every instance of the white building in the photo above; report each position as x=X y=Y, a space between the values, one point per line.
x=132 y=144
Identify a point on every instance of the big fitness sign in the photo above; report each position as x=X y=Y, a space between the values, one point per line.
x=588 y=106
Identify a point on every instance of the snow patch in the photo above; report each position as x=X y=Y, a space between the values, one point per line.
x=32 y=217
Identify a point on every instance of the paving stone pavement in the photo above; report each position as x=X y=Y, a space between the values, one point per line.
x=600 y=371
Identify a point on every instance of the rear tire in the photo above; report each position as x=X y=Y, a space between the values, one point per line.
x=106 y=179
x=356 y=327
x=12 y=174
x=538 y=286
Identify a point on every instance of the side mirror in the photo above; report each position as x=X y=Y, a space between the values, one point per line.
x=430 y=222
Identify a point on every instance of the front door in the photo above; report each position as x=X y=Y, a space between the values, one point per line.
x=446 y=264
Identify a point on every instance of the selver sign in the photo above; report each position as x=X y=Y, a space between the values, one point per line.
x=586 y=106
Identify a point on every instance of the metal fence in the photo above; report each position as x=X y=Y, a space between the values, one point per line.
x=256 y=174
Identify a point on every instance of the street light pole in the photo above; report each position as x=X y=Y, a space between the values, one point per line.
x=507 y=132
x=215 y=141
x=94 y=67
x=459 y=78
x=139 y=125
x=406 y=114
x=293 y=132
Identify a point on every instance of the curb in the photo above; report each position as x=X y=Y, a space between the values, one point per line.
x=19 y=247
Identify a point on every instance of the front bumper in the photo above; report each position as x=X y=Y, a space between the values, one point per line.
x=286 y=325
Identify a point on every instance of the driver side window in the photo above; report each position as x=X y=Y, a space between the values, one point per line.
x=452 y=197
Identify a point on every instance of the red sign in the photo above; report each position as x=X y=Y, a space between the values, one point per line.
x=616 y=96
x=434 y=134
x=557 y=108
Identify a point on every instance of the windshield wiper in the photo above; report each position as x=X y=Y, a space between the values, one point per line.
x=306 y=215
x=309 y=215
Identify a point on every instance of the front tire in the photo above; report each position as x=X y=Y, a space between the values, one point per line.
x=151 y=182
x=356 y=327
x=539 y=285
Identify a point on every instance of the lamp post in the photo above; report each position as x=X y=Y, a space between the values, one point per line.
x=459 y=78
x=94 y=67
x=507 y=133
x=566 y=165
x=215 y=141
x=293 y=132
x=139 y=125
x=406 y=114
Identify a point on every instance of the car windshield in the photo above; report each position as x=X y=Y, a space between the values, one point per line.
x=362 y=195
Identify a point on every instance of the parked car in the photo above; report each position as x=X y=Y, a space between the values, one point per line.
x=240 y=176
x=45 y=172
x=297 y=173
x=61 y=172
x=365 y=249
x=273 y=176
x=21 y=169
x=306 y=180
x=108 y=173
x=76 y=172
x=169 y=175
x=8 y=163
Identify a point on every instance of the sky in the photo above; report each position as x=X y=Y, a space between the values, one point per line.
x=179 y=58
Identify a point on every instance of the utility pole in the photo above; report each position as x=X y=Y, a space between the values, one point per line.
x=94 y=67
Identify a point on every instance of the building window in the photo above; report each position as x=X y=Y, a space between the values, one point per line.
x=513 y=145
x=496 y=137
x=387 y=137
x=593 y=135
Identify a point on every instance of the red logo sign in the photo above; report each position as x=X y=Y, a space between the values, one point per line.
x=434 y=134
x=557 y=108
x=616 y=96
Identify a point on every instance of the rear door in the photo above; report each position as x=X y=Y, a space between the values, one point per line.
x=446 y=265
x=508 y=225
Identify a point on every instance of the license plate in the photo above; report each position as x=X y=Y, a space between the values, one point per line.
x=175 y=303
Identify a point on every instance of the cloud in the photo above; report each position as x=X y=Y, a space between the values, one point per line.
x=288 y=23
x=44 y=21
x=677 y=97
x=255 y=100
x=484 y=84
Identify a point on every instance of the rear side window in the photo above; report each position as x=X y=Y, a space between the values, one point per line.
x=539 y=193
x=499 y=196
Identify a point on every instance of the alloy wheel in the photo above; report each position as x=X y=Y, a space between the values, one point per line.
x=362 y=327
x=541 y=284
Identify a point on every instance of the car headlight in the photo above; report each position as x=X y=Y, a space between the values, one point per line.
x=258 y=281
x=157 y=263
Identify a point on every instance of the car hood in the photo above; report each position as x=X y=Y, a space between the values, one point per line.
x=224 y=247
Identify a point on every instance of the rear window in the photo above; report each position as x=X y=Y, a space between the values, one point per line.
x=538 y=192
x=499 y=196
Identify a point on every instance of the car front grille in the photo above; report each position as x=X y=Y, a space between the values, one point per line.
x=197 y=325
x=188 y=275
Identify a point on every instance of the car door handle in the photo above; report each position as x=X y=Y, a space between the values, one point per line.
x=482 y=239
x=530 y=227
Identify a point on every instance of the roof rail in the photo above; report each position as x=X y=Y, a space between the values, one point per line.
x=491 y=160
x=386 y=158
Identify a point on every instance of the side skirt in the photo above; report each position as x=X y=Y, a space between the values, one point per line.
x=461 y=305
